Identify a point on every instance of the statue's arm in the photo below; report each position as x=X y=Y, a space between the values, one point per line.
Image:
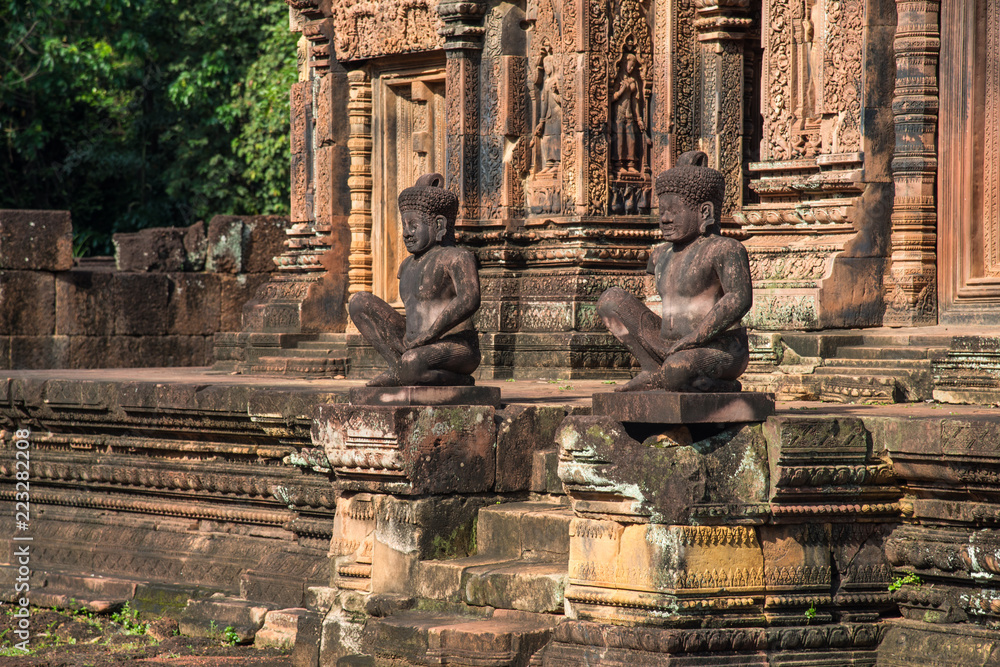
x=465 y=279
x=732 y=265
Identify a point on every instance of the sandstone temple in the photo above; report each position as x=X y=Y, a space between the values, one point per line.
x=199 y=448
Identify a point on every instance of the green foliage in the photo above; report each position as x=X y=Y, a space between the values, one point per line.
x=138 y=113
x=810 y=613
x=908 y=579
x=128 y=618
x=229 y=636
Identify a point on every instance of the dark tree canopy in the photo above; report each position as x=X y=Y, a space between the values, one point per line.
x=144 y=113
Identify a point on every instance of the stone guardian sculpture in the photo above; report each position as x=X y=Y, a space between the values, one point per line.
x=703 y=280
x=435 y=343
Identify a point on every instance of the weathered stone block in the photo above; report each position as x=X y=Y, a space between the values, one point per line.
x=203 y=617
x=282 y=627
x=677 y=570
x=661 y=407
x=85 y=303
x=353 y=542
x=156 y=249
x=609 y=474
x=526 y=586
x=141 y=304
x=36 y=240
x=797 y=568
x=90 y=352
x=27 y=303
x=409 y=450
x=225 y=244
x=194 y=304
x=235 y=292
x=36 y=352
x=407 y=531
x=245 y=244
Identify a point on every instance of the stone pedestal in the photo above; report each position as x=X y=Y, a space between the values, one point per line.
x=716 y=543
x=667 y=407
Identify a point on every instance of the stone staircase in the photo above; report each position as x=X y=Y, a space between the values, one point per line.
x=879 y=373
x=497 y=607
x=847 y=368
x=324 y=356
x=304 y=355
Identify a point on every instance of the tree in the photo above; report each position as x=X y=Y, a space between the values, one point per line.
x=140 y=113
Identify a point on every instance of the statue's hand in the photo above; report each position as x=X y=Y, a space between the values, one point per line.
x=684 y=343
x=419 y=341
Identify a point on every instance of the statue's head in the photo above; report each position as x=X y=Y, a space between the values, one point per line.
x=428 y=214
x=691 y=196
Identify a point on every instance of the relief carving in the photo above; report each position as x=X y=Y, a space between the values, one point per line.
x=813 y=58
x=628 y=92
x=371 y=29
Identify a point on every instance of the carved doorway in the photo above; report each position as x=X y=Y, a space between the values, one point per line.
x=409 y=133
x=969 y=164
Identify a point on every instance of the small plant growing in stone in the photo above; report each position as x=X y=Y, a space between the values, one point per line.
x=810 y=613
x=230 y=636
x=128 y=618
x=908 y=579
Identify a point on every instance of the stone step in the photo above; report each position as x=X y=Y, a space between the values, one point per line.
x=300 y=366
x=533 y=586
x=210 y=617
x=502 y=639
x=876 y=366
x=529 y=530
x=96 y=594
x=843 y=388
x=886 y=352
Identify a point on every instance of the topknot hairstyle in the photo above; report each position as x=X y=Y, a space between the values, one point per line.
x=694 y=181
x=429 y=196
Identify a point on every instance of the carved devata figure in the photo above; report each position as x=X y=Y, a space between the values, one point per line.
x=548 y=131
x=703 y=279
x=629 y=141
x=436 y=343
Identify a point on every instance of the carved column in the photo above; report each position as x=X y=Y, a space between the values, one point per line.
x=359 y=110
x=911 y=282
x=463 y=34
x=722 y=26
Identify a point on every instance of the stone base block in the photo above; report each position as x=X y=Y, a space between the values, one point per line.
x=421 y=638
x=619 y=573
x=910 y=643
x=409 y=450
x=634 y=473
x=204 y=618
x=409 y=395
x=663 y=407
x=283 y=626
x=583 y=643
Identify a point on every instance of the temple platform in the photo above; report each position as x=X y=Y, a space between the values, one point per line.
x=828 y=533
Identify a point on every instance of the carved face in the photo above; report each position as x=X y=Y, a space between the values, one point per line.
x=421 y=232
x=680 y=222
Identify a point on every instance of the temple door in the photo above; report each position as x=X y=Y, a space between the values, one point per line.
x=409 y=134
x=969 y=164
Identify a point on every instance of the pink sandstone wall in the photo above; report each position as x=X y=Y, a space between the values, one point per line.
x=158 y=302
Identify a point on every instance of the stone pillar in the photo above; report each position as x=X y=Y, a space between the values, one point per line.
x=463 y=35
x=308 y=294
x=359 y=109
x=721 y=27
x=911 y=281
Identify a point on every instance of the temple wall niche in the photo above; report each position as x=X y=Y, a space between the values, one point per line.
x=819 y=234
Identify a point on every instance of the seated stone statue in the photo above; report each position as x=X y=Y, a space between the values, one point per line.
x=435 y=344
x=703 y=279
